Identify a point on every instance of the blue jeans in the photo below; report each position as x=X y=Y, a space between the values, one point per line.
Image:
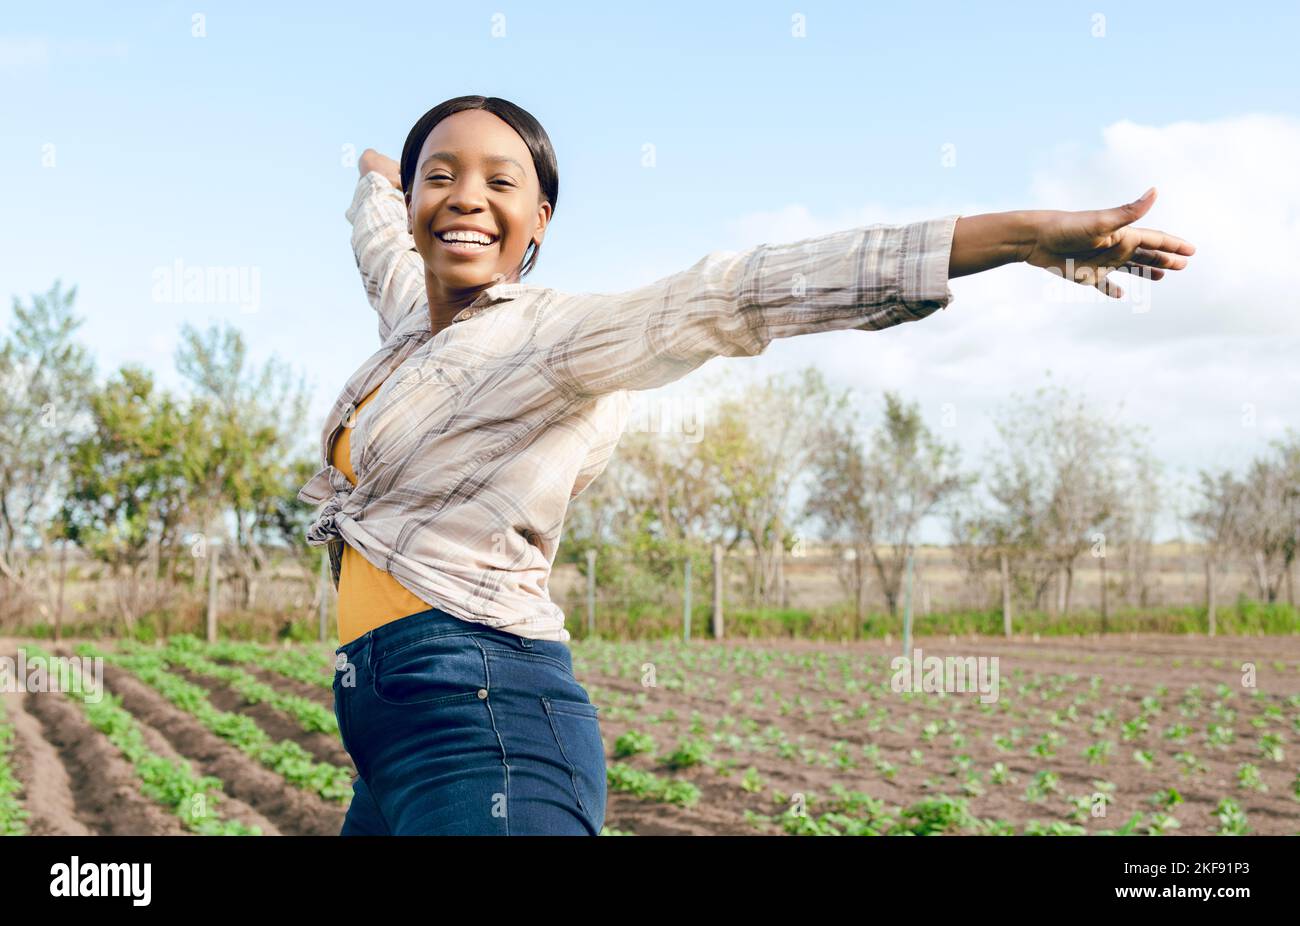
x=458 y=728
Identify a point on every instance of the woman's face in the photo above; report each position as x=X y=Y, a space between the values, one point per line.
x=475 y=172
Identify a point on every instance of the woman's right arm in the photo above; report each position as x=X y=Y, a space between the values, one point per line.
x=390 y=267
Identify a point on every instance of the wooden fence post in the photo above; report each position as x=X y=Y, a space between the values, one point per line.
x=686 y=605
x=907 y=610
x=63 y=580
x=778 y=571
x=1209 y=593
x=1006 y=596
x=591 y=593
x=213 y=560
x=1101 y=561
x=717 y=591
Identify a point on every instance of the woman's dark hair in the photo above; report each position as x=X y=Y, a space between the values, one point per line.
x=529 y=129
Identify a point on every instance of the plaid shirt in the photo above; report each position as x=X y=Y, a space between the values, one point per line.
x=480 y=436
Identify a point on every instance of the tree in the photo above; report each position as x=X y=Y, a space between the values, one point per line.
x=910 y=473
x=1266 y=532
x=1056 y=482
x=1219 y=508
x=130 y=480
x=979 y=542
x=1289 y=462
x=613 y=516
x=1140 y=502
x=757 y=448
x=874 y=502
x=663 y=499
x=45 y=376
x=254 y=416
x=840 y=502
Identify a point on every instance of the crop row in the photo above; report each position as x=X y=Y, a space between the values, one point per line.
x=286 y=758
x=302 y=665
x=187 y=652
x=173 y=784
x=13 y=818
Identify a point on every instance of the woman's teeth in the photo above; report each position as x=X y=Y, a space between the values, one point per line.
x=466 y=238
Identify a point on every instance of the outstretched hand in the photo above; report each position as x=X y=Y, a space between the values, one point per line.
x=1085 y=247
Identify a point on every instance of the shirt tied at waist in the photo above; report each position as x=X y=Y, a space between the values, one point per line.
x=331 y=487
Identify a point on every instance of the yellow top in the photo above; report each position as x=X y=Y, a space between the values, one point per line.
x=368 y=596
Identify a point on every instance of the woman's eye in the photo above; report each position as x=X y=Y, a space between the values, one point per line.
x=445 y=177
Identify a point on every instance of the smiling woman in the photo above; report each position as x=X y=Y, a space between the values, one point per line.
x=492 y=403
x=481 y=184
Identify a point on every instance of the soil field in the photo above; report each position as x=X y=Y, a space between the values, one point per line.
x=1150 y=735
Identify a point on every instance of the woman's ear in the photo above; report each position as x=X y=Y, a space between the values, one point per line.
x=543 y=219
x=409 y=229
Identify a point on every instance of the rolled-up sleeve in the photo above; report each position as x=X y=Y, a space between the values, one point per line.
x=734 y=304
x=391 y=269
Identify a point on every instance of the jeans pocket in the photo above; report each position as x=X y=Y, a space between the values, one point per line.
x=576 y=726
x=444 y=669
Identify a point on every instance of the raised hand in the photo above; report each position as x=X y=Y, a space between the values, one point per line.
x=373 y=160
x=1085 y=247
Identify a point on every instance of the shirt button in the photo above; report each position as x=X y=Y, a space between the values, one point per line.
x=482 y=693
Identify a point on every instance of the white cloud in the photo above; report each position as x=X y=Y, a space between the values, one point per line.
x=1214 y=338
x=1228 y=186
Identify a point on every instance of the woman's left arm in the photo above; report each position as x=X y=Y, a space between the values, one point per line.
x=869 y=278
x=734 y=304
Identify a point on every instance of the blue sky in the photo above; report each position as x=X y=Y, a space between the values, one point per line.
x=130 y=143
